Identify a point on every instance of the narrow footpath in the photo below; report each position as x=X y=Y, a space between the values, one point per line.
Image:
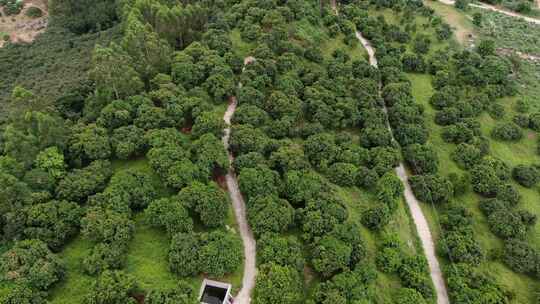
x=239 y=206
x=496 y=9
x=419 y=219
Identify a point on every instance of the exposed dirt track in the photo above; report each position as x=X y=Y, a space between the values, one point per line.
x=239 y=206
x=419 y=219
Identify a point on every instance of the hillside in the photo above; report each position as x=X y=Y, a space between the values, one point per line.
x=364 y=151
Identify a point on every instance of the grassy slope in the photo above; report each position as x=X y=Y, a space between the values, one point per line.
x=523 y=286
x=37 y=66
x=460 y=23
x=356 y=199
x=331 y=44
x=146 y=259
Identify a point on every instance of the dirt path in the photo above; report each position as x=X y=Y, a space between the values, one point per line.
x=419 y=219
x=496 y=9
x=239 y=206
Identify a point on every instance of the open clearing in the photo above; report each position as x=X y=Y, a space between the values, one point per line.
x=22 y=28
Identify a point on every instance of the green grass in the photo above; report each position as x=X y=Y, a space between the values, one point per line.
x=241 y=47
x=357 y=201
x=356 y=51
x=147 y=258
x=510 y=32
x=147 y=255
x=142 y=164
x=76 y=284
x=307 y=32
x=516 y=153
x=459 y=21
x=522 y=286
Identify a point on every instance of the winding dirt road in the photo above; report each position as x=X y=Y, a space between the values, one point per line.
x=496 y=9
x=239 y=206
x=419 y=219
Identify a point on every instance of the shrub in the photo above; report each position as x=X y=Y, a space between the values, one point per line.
x=216 y=253
x=377 y=217
x=508 y=131
x=414 y=274
x=461 y=184
x=461 y=247
x=248 y=160
x=343 y=174
x=34 y=12
x=389 y=189
x=331 y=255
x=534 y=121
x=31 y=262
x=521 y=120
x=184 y=254
x=496 y=111
x=13 y=7
x=527 y=176
x=112 y=287
x=508 y=193
x=500 y=168
x=485 y=180
x=421 y=158
x=366 y=178
x=466 y=155
x=462 y=4
x=432 y=189
x=208 y=200
x=78 y=184
x=522 y=106
x=54 y=222
x=464 y=287
x=458 y=133
x=183 y=293
x=409 y=296
x=521 y=257
x=389 y=260
x=278 y=284
x=170 y=214
x=20 y=293
x=507 y=224
x=284 y=251
x=103 y=257
x=220 y=254
x=269 y=214
x=489 y=206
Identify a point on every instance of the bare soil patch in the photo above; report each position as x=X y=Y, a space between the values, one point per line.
x=21 y=28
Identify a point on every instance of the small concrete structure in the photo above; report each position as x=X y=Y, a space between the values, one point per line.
x=214 y=292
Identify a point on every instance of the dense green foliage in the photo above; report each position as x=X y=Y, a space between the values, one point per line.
x=316 y=137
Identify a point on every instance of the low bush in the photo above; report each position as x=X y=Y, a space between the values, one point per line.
x=12 y=7
x=527 y=176
x=508 y=131
x=32 y=263
x=432 y=189
x=521 y=257
x=34 y=12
